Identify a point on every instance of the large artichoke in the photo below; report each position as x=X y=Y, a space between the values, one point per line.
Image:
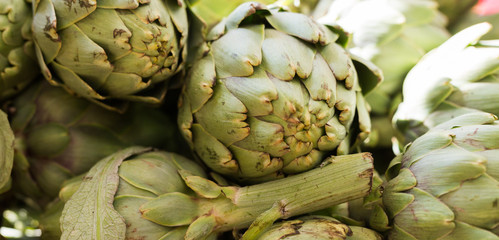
x=446 y=183
x=59 y=136
x=139 y=194
x=394 y=35
x=111 y=51
x=458 y=77
x=275 y=94
x=17 y=56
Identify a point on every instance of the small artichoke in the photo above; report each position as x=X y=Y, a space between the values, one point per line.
x=17 y=56
x=274 y=94
x=111 y=51
x=458 y=77
x=137 y=193
x=59 y=136
x=317 y=228
x=394 y=35
x=445 y=185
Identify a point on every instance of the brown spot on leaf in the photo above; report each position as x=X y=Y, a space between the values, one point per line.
x=117 y=32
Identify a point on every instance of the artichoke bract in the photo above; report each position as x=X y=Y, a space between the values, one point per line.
x=17 y=56
x=274 y=94
x=445 y=185
x=111 y=51
x=394 y=35
x=137 y=193
x=458 y=77
x=59 y=136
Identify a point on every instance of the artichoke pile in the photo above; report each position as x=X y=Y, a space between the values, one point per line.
x=247 y=120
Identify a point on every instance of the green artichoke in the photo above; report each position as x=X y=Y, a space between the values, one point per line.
x=458 y=77
x=317 y=228
x=394 y=35
x=275 y=94
x=59 y=136
x=141 y=194
x=6 y=152
x=446 y=183
x=111 y=51
x=17 y=56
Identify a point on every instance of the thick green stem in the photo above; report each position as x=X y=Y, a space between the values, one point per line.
x=345 y=178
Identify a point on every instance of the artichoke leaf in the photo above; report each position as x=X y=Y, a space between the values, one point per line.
x=200 y=83
x=90 y=211
x=69 y=13
x=44 y=31
x=299 y=25
x=114 y=36
x=465 y=165
x=137 y=226
x=298 y=57
x=265 y=137
x=224 y=116
x=428 y=213
x=6 y=150
x=475 y=202
x=212 y=151
x=256 y=92
x=466 y=231
x=321 y=84
x=238 y=51
x=255 y=163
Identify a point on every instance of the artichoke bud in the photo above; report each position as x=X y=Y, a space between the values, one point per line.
x=466 y=84
x=17 y=56
x=461 y=201
x=152 y=195
x=131 y=57
x=60 y=136
x=275 y=94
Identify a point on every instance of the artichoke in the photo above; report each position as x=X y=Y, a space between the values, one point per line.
x=446 y=183
x=394 y=35
x=317 y=228
x=137 y=193
x=458 y=77
x=274 y=94
x=6 y=152
x=17 y=56
x=59 y=136
x=131 y=57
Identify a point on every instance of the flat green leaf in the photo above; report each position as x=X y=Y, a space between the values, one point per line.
x=90 y=213
x=6 y=149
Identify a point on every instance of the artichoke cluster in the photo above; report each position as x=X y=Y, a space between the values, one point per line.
x=247 y=120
